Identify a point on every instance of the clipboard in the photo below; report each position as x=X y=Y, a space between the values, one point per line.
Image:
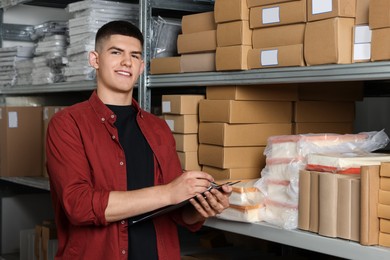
x=170 y=208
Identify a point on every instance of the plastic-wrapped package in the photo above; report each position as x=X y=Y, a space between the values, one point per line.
x=252 y=213
x=164 y=40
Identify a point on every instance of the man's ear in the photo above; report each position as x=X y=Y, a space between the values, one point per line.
x=93 y=59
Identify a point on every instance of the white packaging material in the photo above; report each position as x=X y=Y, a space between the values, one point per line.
x=285 y=216
x=250 y=214
x=245 y=193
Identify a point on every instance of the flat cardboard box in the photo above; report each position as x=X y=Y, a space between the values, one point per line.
x=21 y=141
x=331 y=91
x=198 y=62
x=384 y=239
x=369 y=221
x=380 y=47
x=384 y=197
x=362 y=10
x=182 y=124
x=324 y=9
x=253 y=3
x=224 y=134
x=314 y=201
x=281 y=56
x=272 y=92
x=320 y=127
x=165 y=65
x=278 y=14
x=231 y=111
x=232 y=173
x=198 y=22
x=383 y=210
x=181 y=104
x=304 y=200
x=329 y=41
x=379 y=14
x=384 y=225
x=186 y=142
x=283 y=35
x=234 y=33
x=189 y=161
x=385 y=183
x=231 y=157
x=385 y=169
x=232 y=58
x=230 y=10
x=205 y=41
x=323 y=111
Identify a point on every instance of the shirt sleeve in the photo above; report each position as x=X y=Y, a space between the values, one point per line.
x=69 y=173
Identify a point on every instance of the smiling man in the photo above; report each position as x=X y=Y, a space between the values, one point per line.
x=110 y=162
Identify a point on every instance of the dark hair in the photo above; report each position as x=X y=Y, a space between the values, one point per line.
x=118 y=27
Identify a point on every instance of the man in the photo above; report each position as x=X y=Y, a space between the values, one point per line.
x=110 y=162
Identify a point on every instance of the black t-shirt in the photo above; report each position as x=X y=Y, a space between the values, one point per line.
x=140 y=174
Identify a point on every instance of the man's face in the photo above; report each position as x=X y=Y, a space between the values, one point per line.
x=118 y=63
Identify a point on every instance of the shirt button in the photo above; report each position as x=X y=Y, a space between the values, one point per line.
x=112 y=116
x=123 y=252
x=123 y=222
x=103 y=119
x=113 y=137
x=121 y=163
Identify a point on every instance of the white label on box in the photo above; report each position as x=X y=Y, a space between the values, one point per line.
x=45 y=113
x=1 y=113
x=12 y=119
x=271 y=15
x=166 y=106
x=321 y=6
x=361 y=51
x=362 y=34
x=269 y=58
x=171 y=124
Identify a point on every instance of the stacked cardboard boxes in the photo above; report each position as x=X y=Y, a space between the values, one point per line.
x=384 y=205
x=361 y=33
x=181 y=114
x=379 y=22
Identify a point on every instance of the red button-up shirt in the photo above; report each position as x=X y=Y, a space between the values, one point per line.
x=85 y=162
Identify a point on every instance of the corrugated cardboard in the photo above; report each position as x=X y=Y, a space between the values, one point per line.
x=231 y=157
x=230 y=10
x=278 y=14
x=328 y=193
x=253 y=3
x=234 y=33
x=323 y=9
x=232 y=58
x=224 y=134
x=231 y=111
x=331 y=91
x=186 y=142
x=235 y=173
x=362 y=10
x=189 y=161
x=278 y=36
x=380 y=47
x=314 y=201
x=198 y=22
x=384 y=225
x=304 y=200
x=165 y=65
x=384 y=197
x=329 y=41
x=385 y=169
x=198 y=62
x=274 y=92
x=181 y=104
x=320 y=127
x=383 y=210
x=385 y=183
x=205 y=41
x=379 y=14
x=323 y=111
x=21 y=141
x=369 y=221
x=384 y=239
x=182 y=124
x=281 y=56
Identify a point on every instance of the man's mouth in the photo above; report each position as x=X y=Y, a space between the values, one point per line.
x=124 y=73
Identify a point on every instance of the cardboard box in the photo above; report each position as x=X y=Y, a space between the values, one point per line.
x=323 y=111
x=314 y=200
x=331 y=91
x=253 y=3
x=324 y=9
x=304 y=200
x=231 y=157
x=384 y=225
x=379 y=14
x=362 y=43
x=224 y=134
x=281 y=56
x=384 y=239
x=186 y=142
x=165 y=65
x=21 y=140
x=383 y=210
x=385 y=169
x=181 y=104
x=317 y=128
x=272 y=92
x=384 y=197
x=362 y=10
x=278 y=36
x=329 y=41
x=198 y=22
x=205 y=41
x=278 y=14
x=231 y=111
x=198 y=62
x=380 y=47
x=232 y=58
x=230 y=10
x=182 y=124
x=234 y=33
x=232 y=174
x=189 y=161
x=385 y=183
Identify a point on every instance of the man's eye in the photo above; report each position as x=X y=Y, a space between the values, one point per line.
x=115 y=52
x=137 y=56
